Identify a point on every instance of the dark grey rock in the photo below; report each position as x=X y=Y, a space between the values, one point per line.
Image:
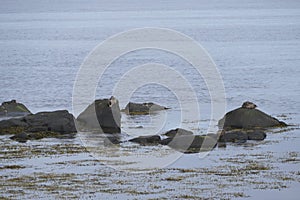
x=60 y=121
x=213 y=135
x=236 y=136
x=13 y=109
x=147 y=140
x=178 y=132
x=142 y=108
x=37 y=129
x=102 y=113
x=24 y=136
x=256 y=135
x=43 y=124
x=21 y=137
x=112 y=140
x=190 y=143
x=247 y=119
x=13 y=122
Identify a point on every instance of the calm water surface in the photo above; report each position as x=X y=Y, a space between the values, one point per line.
x=255 y=45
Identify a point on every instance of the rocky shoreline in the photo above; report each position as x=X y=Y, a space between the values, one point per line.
x=104 y=116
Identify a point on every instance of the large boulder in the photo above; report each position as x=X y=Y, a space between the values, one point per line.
x=247 y=117
x=142 y=108
x=13 y=109
x=190 y=143
x=42 y=124
x=102 y=115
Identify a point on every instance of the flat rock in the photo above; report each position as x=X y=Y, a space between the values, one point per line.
x=147 y=140
x=112 y=139
x=256 y=135
x=235 y=136
x=24 y=136
x=142 y=108
x=20 y=137
x=190 y=143
x=242 y=135
x=103 y=115
x=178 y=132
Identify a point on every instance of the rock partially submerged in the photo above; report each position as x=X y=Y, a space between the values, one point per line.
x=24 y=136
x=242 y=135
x=40 y=125
x=191 y=143
x=102 y=115
x=147 y=140
x=13 y=109
x=256 y=135
x=142 y=108
x=247 y=117
x=178 y=132
x=234 y=136
x=181 y=140
x=246 y=123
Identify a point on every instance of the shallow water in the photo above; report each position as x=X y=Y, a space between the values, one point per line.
x=255 y=45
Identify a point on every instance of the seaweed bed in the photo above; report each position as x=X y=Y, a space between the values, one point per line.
x=56 y=168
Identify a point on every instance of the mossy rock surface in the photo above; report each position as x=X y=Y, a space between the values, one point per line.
x=43 y=124
x=13 y=108
x=11 y=130
x=24 y=136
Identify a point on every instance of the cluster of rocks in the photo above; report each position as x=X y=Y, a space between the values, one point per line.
x=237 y=126
x=246 y=123
x=104 y=116
x=179 y=139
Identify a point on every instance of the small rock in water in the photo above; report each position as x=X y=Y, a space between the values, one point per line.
x=256 y=135
x=236 y=136
x=142 y=108
x=178 y=132
x=190 y=143
x=249 y=105
x=147 y=140
x=20 y=137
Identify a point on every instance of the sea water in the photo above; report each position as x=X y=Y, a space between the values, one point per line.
x=254 y=44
